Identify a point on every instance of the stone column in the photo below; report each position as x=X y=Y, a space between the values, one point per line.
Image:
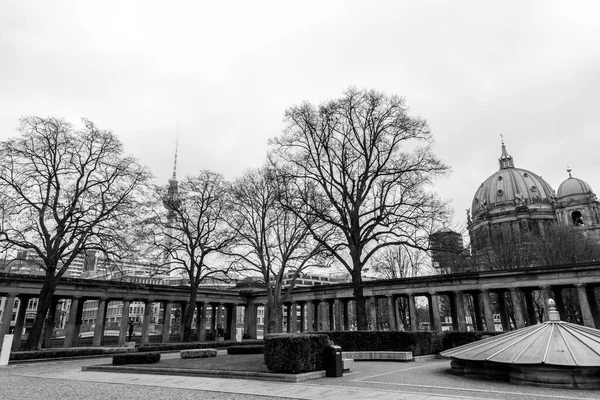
x=345 y=314
x=517 y=308
x=412 y=313
x=458 y=312
x=100 y=321
x=339 y=315
x=251 y=318
x=584 y=304
x=265 y=319
x=124 y=320
x=546 y=295
x=20 y=321
x=530 y=306
x=7 y=316
x=434 y=312
x=166 y=328
x=310 y=316
x=478 y=323
x=146 y=321
x=317 y=315
x=230 y=330
x=74 y=322
x=49 y=323
x=391 y=301
x=184 y=307
x=593 y=305
x=487 y=311
x=302 y=305
x=397 y=312
x=201 y=321
x=330 y=304
x=373 y=312
x=294 y=318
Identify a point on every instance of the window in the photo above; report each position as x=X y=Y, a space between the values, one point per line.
x=577 y=218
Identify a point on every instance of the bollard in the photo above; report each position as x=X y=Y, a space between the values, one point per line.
x=6 y=347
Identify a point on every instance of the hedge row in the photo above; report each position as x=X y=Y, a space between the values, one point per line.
x=136 y=358
x=196 y=345
x=68 y=352
x=419 y=342
x=295 y=353
x=198 y=353
x=252 y=349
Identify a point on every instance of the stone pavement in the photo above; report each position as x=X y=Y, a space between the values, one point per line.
x=428 y=380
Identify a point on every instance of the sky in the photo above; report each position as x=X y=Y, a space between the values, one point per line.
x=220 y=75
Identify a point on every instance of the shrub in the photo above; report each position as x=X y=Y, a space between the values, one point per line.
x=295 y=353
x=136 y=358
x=455 y=339
x=198 y=353
x=68 y=352
x=253 y=349
x=195 y=345
x=419 y=343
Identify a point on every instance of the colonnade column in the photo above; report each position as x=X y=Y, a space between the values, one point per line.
x=345 y=314
x=310 y=316
x=503 y=311
x=265 y=319
x=293 y=324
x=316 y=315
x=231 y=329
x=74 y=322
x=166 y=317
x=593 y=303
x=302 y=305
x=184 y=306
x=100 y=321
x=201 y=321
x=288 y=317
x=458 y=312
x=487 y=311
x=529 y=305
x=124 y=321
x=213 y=320
x=391 y=312
x=560 y=303
x=250 y=320
x=584 y=304
x=372 y=305
x=434 y=312
x=20 y=321
x=412 y=311
x=517 y=309
x=7 y=316
x=478 y=323
x=146 y=321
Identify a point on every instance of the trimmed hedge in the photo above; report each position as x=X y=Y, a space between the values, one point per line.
x=454 y=339
x=136 y=358
x=196 y=345
x=253 y=349
x=198 y=353
x=69 y=352
x=419 y=343
x=295 y=353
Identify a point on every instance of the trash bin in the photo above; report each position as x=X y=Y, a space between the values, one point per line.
x=332 y=360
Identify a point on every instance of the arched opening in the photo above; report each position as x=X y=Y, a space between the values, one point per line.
x=577 y=218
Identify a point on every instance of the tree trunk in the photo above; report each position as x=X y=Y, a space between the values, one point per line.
x=45 y=299
x=362 y=324
x=188 y=316
x=275 y=315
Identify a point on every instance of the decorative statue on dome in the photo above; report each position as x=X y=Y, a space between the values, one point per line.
x=469 y=216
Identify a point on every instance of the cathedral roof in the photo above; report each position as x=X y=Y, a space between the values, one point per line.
x=573 y=186
x=511 y=186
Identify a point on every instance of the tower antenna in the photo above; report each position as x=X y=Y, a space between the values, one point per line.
x=176 y=148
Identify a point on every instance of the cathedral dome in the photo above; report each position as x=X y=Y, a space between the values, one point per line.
x=511 y=186
x=573 y=186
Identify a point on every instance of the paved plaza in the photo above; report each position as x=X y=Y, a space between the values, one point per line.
x=369 y=380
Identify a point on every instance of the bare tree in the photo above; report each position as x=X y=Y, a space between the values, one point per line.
x=271 y=240
x=369 y=166
x=191 y=233
x=561 y=244
x=400 y=262
x=66 y=191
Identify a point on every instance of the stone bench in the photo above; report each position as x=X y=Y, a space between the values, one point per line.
x=198 y=353
x=347 y=364
x=378 y=355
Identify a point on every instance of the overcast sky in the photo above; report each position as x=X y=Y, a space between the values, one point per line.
x=223 y=73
